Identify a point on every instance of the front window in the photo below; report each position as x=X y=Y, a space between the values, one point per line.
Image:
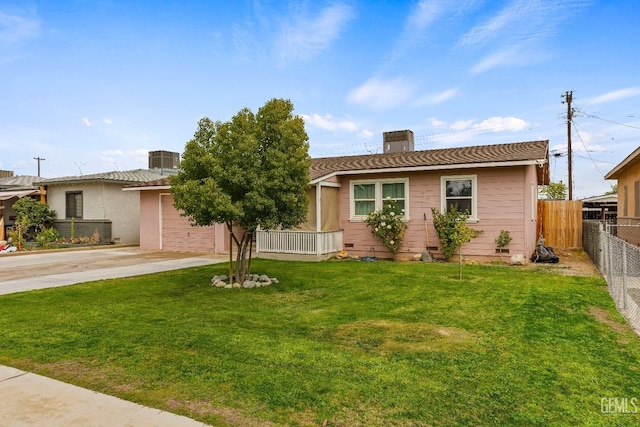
x=461 y=192
x=364 y=196
x=394 y=191
x=367 y=196
x=74 y=204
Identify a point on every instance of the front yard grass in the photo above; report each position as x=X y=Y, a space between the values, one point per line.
x=354 y=343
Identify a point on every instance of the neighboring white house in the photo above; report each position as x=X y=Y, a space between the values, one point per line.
x=85 y=204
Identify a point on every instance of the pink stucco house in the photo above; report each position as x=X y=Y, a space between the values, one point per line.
x=497 y=184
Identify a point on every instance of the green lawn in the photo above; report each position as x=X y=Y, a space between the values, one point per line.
x=354 y=343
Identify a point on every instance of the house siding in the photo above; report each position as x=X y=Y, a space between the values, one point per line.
x=629 y=198
x=505 y=201
x=102 y=201
x=163 y=228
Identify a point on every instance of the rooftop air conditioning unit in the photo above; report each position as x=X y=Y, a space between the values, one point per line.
x=164 y=160
x=397 y=141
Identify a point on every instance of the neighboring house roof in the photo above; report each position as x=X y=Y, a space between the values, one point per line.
x=520 y=153
x=632 y=160
x=25 y=182
x=158 y=184
x=606 y=198
x=123 y=177
x=6 y=195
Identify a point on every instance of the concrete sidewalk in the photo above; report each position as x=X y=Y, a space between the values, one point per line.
x=33 y=400
x=27 y=399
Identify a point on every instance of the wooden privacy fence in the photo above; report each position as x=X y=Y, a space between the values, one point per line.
x=560 y=222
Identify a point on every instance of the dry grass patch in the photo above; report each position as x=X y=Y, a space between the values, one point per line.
x=603 y=316
x=229 y=416
x=396 y=336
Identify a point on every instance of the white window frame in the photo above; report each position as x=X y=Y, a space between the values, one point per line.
x=378 y=196
x=474 y=193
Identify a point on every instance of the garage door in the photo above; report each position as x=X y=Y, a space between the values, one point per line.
x=179 y=235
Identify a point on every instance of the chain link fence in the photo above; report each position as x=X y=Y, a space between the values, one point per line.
x=618 y=260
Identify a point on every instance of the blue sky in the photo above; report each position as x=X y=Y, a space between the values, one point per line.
x=92 y=86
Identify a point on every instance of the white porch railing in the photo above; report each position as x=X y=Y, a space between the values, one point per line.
x=299 y=242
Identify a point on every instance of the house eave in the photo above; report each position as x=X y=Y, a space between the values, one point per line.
x=147 y=188
x=630 y=160
x=539 y=162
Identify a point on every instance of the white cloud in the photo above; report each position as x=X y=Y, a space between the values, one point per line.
x=500 y=124
x=518 y=31
x=380 y=94
x=420 y=18
x=615 y=95
x=86 y=121
x=366 y=133
x=108 y=121
x=437 y=98
x=303 y=38
x=461 y=124
x=327 y=122
x=424 y=13
x=436 y=123
x=14 y=28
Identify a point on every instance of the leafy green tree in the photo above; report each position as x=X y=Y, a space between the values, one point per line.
x=614 y=190
x=33 y=216
x=388 y=225
x=554 y=191
x=250 y=172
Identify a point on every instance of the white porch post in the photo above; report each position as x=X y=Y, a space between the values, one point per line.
x=318 y=218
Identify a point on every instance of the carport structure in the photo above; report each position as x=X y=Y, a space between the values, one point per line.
x=13 y=188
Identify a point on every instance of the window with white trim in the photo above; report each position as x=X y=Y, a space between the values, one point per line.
x=462 y=192
x=368 y=195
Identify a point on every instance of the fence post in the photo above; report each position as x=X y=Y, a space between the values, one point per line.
x=624 y=277
x=609 y=249
x=600 y=248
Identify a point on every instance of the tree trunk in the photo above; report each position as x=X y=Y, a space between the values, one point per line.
x=243 y=257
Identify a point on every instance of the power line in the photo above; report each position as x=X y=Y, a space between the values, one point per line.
x=587 y=151
x=583 y=113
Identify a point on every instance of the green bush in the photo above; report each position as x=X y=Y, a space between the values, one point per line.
x=46 y=236
x=388 y=225
x=33 y=215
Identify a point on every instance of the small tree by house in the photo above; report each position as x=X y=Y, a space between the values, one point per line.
x=452 y=230
x=554 y=191
x=503 y=239
x=388 y=225
x=250 y=172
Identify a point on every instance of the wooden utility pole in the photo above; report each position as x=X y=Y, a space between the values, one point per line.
x=568 y=97
x=39 y=159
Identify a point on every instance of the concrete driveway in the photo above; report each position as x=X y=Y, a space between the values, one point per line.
x=33 y=400
x=26 y=271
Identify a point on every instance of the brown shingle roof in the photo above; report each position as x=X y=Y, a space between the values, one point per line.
x=124 y=177
x=473 y=156
x=162 y=182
